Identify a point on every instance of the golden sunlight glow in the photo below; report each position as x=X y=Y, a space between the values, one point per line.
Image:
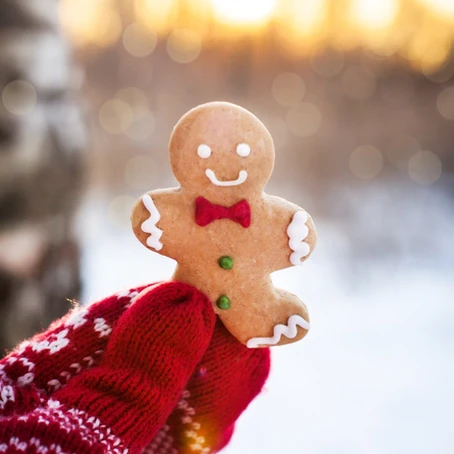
x=419 y=31
x=301 y=25
x=441 y=7
x=374 y=14
x=306 y=15
x=243 y=11
x=155 y=14
x=89 y=22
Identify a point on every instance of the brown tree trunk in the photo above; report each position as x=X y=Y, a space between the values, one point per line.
x=41 y=138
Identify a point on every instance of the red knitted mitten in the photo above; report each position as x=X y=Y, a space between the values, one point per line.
x=222 y=385
x=119 y=405
x=227 y=379
x=69 y=346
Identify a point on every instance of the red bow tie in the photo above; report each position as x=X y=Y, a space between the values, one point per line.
x=206 y=212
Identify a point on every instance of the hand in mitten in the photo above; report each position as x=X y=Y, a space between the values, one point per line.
x=225 y=382
x=122 y=403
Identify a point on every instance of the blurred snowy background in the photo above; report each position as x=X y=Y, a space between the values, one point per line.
x=359 y=97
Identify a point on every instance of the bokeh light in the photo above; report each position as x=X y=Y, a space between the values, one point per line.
x=128 y=113
x=135 y=98
x=445 y=8
x=19 y=97
x=304 y=119
x=373 y=14
x=439 y=74
x=139 y=41
x=303 y=27
x=445 y=103
x=184 y=45
x=140 y=172
x=329 y=63
x=116 y=116
x=142 y=127
x=89 y=22
x=425 y=167
x=366 y=162
x=436 y=65
x=300 y=19
x=427 y=52
x=155 y=14
x=243 y=11
x=288 y=89
x=137 y=101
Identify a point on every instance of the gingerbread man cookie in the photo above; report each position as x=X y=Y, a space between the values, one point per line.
x=225 y=233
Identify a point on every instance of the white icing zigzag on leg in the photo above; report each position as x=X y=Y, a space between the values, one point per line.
x=297 y=232
x=149 y=226
x=290 y=330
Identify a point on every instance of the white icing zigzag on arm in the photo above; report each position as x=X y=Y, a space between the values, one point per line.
x=149 y=226
x=290 y=331
x=297 y=232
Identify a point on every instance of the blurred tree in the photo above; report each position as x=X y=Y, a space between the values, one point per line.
x=41 y=138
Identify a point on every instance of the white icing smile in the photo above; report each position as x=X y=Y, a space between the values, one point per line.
x=242 y=177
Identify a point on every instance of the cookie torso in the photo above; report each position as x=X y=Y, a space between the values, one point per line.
x=223 y=258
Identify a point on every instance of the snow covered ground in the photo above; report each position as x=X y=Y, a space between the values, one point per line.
x=374 y=376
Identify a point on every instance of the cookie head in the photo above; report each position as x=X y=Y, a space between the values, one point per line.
x=220 y=147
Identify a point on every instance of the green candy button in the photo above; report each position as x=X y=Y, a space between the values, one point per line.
x=226 y=262
x=223 y=302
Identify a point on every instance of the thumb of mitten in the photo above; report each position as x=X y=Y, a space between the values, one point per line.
x=152 y=352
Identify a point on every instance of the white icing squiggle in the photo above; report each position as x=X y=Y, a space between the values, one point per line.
x=149 y=226
x=242 y=177
x=290 y=331
x=297 y=232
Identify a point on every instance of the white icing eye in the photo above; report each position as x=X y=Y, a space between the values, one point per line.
x=204 y=151
x=243 y=149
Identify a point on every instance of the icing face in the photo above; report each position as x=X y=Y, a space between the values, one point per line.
x=220 y=148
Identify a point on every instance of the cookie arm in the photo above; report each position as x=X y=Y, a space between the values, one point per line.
x=149 y=225
x=153 y=221
x=295 y=233
x=298 y=237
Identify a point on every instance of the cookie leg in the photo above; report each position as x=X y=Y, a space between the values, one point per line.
x=266 y=316
x=287 y=321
